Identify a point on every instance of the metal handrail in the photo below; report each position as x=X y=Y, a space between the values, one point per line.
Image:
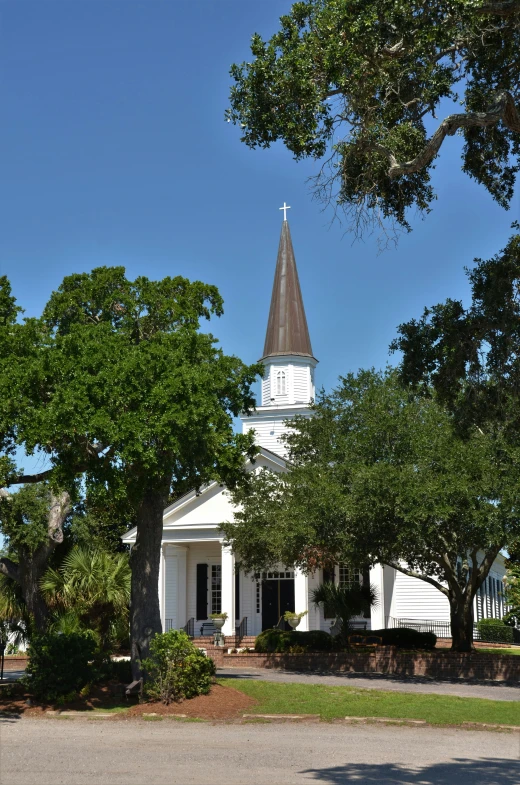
x=241 y=630
x=189 y=627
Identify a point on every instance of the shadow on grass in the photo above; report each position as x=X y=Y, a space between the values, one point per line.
x=487 y=771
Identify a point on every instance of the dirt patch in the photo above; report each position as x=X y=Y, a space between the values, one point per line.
x=16 y=701
x=221 y=704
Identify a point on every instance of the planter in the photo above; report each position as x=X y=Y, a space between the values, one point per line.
x=219 y=623
x=293 y=621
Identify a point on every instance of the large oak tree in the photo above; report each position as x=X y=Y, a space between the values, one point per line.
x=379 y=475
x=374 y=89
x=116 y=383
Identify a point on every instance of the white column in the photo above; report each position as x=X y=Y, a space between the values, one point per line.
x=301 y=598
x=377 y=613
x=161 y=589
x=228 y=589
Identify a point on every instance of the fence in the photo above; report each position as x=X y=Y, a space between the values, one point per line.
x=442 y=629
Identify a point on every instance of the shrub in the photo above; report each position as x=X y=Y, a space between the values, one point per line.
x=276 y=640
x=495 y=631
x=59 y=664
x=176 y=668
x=406 y=638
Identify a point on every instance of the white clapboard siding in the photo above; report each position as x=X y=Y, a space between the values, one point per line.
x=171 y=590
x=415 y=599
x=266 y=391
x=268 y=432
x=301 y=384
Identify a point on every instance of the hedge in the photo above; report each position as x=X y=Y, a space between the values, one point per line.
x=495 y=631
x=406 y=638
x=279 y=641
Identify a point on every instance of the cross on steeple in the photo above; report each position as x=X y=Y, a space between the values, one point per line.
x=285 y=208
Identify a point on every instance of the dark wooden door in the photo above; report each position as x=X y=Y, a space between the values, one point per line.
x=277 y=597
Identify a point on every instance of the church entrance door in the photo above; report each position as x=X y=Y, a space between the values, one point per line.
x=277 y=597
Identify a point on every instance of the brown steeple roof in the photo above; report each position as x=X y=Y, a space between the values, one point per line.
x=287 y=331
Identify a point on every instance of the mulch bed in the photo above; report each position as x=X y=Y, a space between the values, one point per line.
x=222 y=703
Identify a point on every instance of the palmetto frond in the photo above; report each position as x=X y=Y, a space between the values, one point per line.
x=345 y=602
x=87 y=578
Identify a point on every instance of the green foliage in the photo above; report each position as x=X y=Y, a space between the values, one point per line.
x=283 y=641
x=470 y=356
x=359 y=84
x=406 y=638
x=495 y=631
x=378 y=475
x=345 y=602
x=59 y=664
x=90 y=590
x=512 y=595
x=12 y=605
x=117 y=383
x=292 y=615
x=176 y=668
x=23 y=517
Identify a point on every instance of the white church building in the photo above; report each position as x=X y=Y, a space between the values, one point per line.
x=197 y=571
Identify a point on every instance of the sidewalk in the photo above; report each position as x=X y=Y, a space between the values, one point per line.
x=459 y=688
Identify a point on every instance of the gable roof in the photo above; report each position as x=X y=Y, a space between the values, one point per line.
x=188 y=499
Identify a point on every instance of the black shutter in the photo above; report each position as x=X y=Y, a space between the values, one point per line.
x=328 y=577
x=237 y=594
x=366 y=585
x=202 y=591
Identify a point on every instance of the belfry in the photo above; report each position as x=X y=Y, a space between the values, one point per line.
x=288 y=381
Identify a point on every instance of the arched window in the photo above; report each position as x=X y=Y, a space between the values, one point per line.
x=281 y=388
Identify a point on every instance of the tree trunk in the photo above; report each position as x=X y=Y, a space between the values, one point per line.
x=145 y=615
x=31 y=573
x=461 y=613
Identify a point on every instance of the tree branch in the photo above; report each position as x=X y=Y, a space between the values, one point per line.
x=10 y=568
x=29 y=479
x=419 y=576
x=507 y=8
x=503 y=109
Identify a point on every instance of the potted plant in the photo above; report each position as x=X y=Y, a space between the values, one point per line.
x=218 y=619
x=293 y=619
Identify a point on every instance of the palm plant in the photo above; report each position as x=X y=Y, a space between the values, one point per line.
x=14 y=619
x=90 y=590
x=344 y=603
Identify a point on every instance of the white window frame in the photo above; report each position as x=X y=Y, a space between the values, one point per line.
x=281 y=383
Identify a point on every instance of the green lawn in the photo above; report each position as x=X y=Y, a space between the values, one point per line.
x=499 y=651
x=337 y=702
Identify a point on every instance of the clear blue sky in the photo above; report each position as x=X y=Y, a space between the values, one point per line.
x=115 y=151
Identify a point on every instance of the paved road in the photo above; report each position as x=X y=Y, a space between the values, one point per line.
x=12 y=676
x=492 y=690
x=115 y=752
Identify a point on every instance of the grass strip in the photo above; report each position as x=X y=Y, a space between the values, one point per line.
x=338 y=702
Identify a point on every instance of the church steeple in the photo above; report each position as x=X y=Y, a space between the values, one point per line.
x=288 y=383
x=287 y=331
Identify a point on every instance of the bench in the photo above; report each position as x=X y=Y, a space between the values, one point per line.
x=207 y=628
x=365 y=640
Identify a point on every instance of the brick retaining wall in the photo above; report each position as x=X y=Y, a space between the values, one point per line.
x=386 y=660
x=14 y=663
